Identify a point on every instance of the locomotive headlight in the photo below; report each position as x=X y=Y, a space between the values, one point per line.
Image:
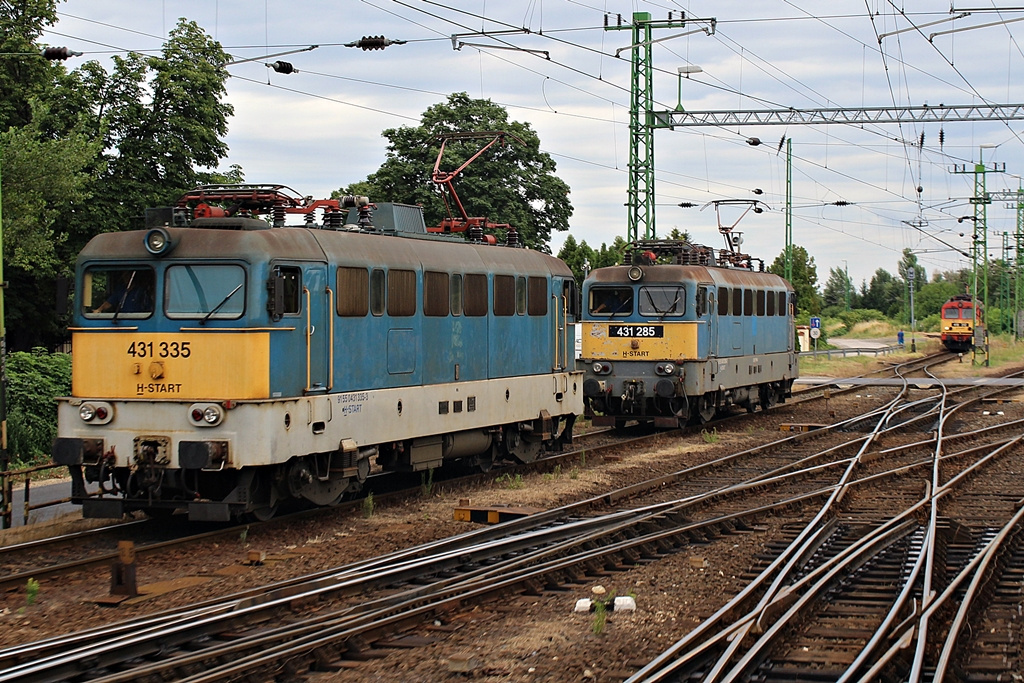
x=158 y=242
x=665 y=368
x=635 y=273
x=205 y=414
x=600 y=368
x=96 y=413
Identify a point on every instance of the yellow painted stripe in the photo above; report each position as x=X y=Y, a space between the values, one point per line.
x=678 y=343
x=207 y=366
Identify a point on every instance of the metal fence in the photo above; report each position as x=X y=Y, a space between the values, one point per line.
x=843 y=353
x=7 y=480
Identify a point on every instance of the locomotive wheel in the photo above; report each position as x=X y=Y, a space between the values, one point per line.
x=769 y=396
x=522 y=449
x=706 y=408
x=265 y=513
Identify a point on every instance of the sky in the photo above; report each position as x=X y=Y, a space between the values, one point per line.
x=553 y=65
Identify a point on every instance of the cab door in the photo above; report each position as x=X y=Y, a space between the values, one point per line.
x=317 y=302
x=707 y=317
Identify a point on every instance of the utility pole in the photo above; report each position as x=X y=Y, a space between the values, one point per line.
x=640 y=193
x=846 y=283
x=789 y=210
x=980 y=200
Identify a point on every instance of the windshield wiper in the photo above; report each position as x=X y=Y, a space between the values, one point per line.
x=124 y=297
x=222 y=302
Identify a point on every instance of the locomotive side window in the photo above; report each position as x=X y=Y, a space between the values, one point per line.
x=611 y=301
x=748 y=302
x=378 y=290
x=782 y=303
x=569 y=292
x=662 y=302
x=737 y=301
x=537 y=296
x=121 y=292
x=436 y=298
x=504 y=295
x=401 y=292
x=353 y=292
x=702 y=301
x=723 y=301
x=476 y=295
x=217 y=291
x=521 y=296
x=770 y=301
x=760 y=302
x=456 y=294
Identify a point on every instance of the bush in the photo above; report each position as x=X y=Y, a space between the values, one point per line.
x=34 y=379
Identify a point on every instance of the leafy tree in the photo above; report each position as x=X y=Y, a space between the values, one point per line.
x=805 y=279
x=837 y=287
x=24 y=74
x=34 y=378
x=90 y=150
x=884 y=293
x=581 y=258
x=510 y=183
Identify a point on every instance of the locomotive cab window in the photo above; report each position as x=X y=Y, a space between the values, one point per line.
x=662 y=302
x=951 y=313
x=216 y=291
x=611 y=301
x=118 y=292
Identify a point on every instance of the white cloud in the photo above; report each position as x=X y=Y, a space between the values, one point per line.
x=307 y=132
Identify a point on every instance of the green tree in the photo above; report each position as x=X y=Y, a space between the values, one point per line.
x=837 y=288
x=510 y=183
x=24 y=74
x=34 y=378
x=805 y=279
x=94 y=150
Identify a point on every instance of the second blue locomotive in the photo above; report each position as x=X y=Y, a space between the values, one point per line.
x=677 y=333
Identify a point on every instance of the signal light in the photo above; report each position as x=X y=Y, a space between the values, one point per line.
x=61 y=53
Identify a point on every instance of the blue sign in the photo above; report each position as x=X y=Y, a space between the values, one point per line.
x=815 y=323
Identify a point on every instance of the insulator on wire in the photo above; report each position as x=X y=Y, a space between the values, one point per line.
x=373 y=42
x=61 y=53
x=942 y=136
x=284 y=68
x=922 y=139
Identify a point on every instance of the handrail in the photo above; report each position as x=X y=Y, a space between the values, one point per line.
x=7 y=478
x=330 y=342
x=309 y=341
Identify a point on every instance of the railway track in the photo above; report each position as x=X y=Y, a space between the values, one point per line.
x=56 y=556
x=363 y=602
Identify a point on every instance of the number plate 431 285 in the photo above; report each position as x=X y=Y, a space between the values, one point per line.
x=632 y=331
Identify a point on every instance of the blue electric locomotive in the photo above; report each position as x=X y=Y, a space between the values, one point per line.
x=223 y=363
x=675 y=334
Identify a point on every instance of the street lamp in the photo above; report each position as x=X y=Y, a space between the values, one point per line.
x=685 y=71
x=846 y=283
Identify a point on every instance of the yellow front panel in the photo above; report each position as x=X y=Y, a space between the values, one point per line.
x=629 y=341
x=181 y=366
